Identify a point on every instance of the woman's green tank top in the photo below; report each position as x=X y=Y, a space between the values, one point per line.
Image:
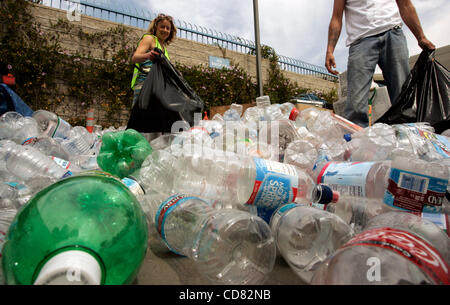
x=146 y=65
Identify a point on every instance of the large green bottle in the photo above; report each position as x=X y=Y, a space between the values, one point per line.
x=86 y=229
x=123 y=152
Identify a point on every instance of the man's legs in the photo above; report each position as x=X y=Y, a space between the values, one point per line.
x=362 y=60
x=394 y=62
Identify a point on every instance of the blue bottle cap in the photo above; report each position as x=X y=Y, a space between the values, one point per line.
x=323 y=194
x=348 y=137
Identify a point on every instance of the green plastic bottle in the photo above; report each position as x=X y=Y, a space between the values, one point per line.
x=86 y=229
x=123 y=152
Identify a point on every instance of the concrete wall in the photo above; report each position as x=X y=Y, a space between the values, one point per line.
x=181 y=50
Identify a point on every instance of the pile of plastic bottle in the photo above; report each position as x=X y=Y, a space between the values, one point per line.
x=339 y=203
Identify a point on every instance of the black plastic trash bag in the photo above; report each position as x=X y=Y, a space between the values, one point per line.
x=165 y=98
x=424 y=96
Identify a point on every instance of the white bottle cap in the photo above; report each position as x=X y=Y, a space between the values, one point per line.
x=73 y=267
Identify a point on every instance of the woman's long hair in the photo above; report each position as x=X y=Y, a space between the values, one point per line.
x=154 y=25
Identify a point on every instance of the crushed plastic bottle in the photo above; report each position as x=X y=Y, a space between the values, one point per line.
x=52 y=125
x=306 y=236
x=395 y=248
x=123 y=152
x=227 y=177
x=17 y=128
x=26 y=162
x=228 y=246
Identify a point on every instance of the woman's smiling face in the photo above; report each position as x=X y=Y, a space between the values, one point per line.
x=163 y=30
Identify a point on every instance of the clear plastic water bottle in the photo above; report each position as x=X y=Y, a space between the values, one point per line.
x=238 y=108
x=123 y=152
x=306 y=236
x=228 y=177
x=8 y=196
x=195 y=135
x=258 y=112
x=51 y=124
x=419 y=141
x=286 y=109
x=87 y=229
x=395 y=248
x=280 y=134
x=253 y=114
x=27 y=162
x=215 y=128
x=217 y=117
x=235 y=137
x=302 y=154
x=365 y=179
x=67 y=165
x=274 y=113
x=79 y=142
x=21 y=192
x=403 y=183
x=354 y=210
x=375 y=143
x=228 y=246
x=8 y=123
x=51 y=147
x=231 y=115
x=20 y=129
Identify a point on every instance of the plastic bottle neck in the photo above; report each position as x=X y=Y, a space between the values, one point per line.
x=72 y=267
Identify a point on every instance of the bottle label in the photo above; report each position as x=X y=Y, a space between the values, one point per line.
x=57 y=132
x=29 y=141
x=18 y=186
x=347 y=177
x=67 y=174
x=322 y=158
x=61 y=162
x=415 y=192
x=133 y=186
x=163 y=211
x=439 y=219
x=410 y=247
x=276 y=184
x=441 y=144
x=320 y=206
x=280 y=212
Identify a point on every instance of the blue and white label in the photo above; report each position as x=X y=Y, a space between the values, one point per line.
x=164 y=211
x=349 y=178
x=279 y=213
x=410 y=191
x=439 y=219
x=133 y=186
x=275 y=184
x=61 y=162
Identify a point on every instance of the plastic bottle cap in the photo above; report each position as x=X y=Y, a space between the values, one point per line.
x=293 y=115
x=348 y=137
x=324 y=194
x=71 y=267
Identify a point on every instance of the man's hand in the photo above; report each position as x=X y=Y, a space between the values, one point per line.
x=425 y=44
x=330 y=63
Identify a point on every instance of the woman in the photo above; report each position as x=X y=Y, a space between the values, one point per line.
x=161 y=33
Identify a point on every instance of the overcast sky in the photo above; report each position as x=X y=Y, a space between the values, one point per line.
x=294 y=28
